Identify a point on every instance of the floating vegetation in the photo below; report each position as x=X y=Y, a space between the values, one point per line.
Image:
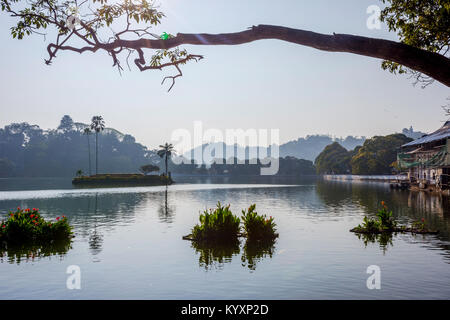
x=217 y=236
x=25 y=235
x=28 y=226
x=258 y=227
x=221 y=225
x=385 y=223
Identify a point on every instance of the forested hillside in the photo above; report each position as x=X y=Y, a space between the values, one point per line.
x=29 y=151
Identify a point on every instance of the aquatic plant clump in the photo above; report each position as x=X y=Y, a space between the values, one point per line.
x=258 y=227
x=27 y=225
x=217 y=225
x=385 y=222
x=220 y=225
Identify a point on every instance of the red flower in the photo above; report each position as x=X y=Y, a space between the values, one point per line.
x=57 y=219
x=423 y=220
x=3 y=226
x=31 y=216
x=18 y=208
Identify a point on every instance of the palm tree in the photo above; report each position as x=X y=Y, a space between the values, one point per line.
x=88 y=132
x=97 y=124
x=166 y=151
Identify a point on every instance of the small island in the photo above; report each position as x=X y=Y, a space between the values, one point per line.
x=122 y=179
x=147 y=177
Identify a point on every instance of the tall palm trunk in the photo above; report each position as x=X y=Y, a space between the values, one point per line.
x=96 y=153
x=89 y=153
x=166 y=165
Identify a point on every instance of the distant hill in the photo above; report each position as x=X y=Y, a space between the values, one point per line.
x=29 y=151
x=307 y=148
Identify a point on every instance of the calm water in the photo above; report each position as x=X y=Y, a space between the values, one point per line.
x=128 y=242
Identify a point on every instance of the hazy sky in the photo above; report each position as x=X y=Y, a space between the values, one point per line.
x=261 y=85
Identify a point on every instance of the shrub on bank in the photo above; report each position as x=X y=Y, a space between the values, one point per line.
x=27 y=225
x=258 y=227
x=217 y=225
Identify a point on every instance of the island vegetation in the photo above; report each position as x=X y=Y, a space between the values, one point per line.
x=118 y=179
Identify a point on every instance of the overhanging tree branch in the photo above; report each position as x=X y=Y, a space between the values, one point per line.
x=432 y=64
x=91 y=21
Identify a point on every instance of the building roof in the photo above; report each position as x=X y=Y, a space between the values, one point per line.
x=441 y=133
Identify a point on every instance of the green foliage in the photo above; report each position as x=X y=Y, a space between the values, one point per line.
x=423 y=24
x=385 y=222
x=219 y=225
x=333 y=159
x=118 y=19
x=258 y=227
x=28 y=151
x=27 y=225
x=378 y=155
x=385 y=217
x=420 y=225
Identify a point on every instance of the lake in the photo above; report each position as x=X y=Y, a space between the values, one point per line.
x=128 y=242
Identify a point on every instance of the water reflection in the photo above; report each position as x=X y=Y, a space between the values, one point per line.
x=216 y=255
x=95 y=242
x=255 y=251
x=383 y=239
x=166 y=211
x=31 y=252
x=407 y=207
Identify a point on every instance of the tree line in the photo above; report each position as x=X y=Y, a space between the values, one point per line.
x=377 y=155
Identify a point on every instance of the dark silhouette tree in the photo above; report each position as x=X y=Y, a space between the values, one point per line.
x=423 y=27
x=66 y=124
x=97 y=125
x=166 y=152
x=88 y=132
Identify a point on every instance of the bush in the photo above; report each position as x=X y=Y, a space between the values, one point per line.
x=27 y=225
x=258 y=227
x=217 y=225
